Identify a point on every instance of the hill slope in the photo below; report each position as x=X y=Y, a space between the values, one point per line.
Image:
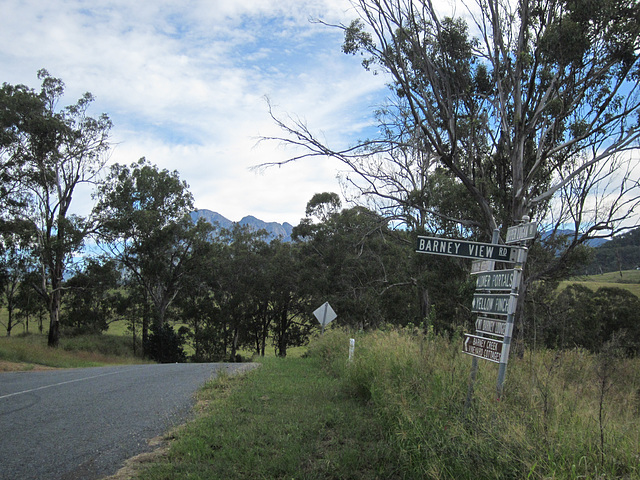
x=620 y=253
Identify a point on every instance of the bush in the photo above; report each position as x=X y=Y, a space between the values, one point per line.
x=165 y=345
x=582 y=318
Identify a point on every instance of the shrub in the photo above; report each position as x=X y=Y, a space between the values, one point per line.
x=165 y=345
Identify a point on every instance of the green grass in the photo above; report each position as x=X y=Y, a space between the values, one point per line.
x=120 y=327
x=398 y=411
x=288 y=419
x=625 y=276
x=629 y=280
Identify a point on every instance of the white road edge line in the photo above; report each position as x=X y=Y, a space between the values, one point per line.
x=58 y=384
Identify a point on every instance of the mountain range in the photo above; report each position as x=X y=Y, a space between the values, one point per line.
x=274 y=229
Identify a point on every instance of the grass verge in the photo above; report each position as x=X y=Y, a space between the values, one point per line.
x=288 y=419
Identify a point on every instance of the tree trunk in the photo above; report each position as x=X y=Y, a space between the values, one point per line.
x=282 y=338
x=9 y=320
x=54 y=316
x=234 y=344
x=145 y=328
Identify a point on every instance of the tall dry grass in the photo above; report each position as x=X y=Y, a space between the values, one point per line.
x=563 y=414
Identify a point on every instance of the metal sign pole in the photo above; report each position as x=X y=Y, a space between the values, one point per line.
x=474 y=360
x=324 y=318
x=515 y=290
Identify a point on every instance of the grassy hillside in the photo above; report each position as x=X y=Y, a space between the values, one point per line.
x=627 y=279
x=28 y=352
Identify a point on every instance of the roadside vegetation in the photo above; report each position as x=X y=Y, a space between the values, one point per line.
x=30 y=351
x=399 y=410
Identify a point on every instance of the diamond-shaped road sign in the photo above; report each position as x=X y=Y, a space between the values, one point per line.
x=325 y=314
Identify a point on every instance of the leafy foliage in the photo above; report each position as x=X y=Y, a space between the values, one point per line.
x=92 y=298
x=581 y=318
x=165 y=344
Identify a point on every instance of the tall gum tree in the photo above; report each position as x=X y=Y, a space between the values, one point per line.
x=144 y=222
x=49 y=152
x=517 y=107
x=534 y=113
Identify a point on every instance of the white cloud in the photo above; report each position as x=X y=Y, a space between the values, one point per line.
x=184 y=83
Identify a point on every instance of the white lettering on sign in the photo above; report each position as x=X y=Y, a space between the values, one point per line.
x=491 y=326
x=491 y=303
x=526 y=231
x=483 y=347
x=502 y=304
x=461 y=248
x=446 y=247
x=484 y=304
x=499 y=280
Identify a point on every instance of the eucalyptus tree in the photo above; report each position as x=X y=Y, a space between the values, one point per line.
x=15 y=265
x=240 y=286
x=498 y=110
x=93 y=297
x=144 y=222
x=354 y=261
x=530 y=106
x=49 y=152
x=286 y=302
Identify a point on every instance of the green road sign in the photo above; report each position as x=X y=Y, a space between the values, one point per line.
x=501 y=280
x=492 y=303
x=461 y=248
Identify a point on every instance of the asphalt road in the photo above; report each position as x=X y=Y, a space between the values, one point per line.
x=84 y=423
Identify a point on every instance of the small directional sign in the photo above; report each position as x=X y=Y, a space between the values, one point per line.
x=491 y=326
x=464 y=249
x=491 y=303
x=501 y=280
x=482 y=347
x=519 y=233
x=478 y=266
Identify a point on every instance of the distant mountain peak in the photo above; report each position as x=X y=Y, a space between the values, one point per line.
x=273 y=229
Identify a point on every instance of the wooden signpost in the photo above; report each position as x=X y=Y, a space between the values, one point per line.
x=496 y=296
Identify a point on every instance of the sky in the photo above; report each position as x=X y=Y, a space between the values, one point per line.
x=185 y=84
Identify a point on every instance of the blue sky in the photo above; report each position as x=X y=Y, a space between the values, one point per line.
x=185 y=83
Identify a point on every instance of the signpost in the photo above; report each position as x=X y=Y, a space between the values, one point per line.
x=522 y=232
x=489 y=280
x=325 y=314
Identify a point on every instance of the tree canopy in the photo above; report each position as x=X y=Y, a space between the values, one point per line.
x=531 y=107
x=46 y=153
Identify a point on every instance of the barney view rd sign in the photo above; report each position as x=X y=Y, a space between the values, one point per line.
x=464 y=249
